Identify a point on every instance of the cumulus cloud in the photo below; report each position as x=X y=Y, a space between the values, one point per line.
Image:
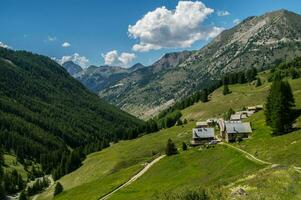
x=223 y=13
x=114 y=58
x=66 y=44
x=76 y=58
x=4 y=45
x=179 y=28
x=236 y=21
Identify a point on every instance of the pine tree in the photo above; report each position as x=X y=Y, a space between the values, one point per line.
x=184 y=146
x=1 y=164
x=58 y=189
x=229 y=113
x=279 y=105
x=204 y=95
x=23 y=196
x=2 y=192
x=226 y=89
x=170 y=148
x=179 y=122
x=258 y=82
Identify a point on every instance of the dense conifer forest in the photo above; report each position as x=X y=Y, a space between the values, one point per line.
x=48 y=117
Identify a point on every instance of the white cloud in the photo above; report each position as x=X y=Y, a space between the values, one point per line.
x=51 y=38
x=66 y=44
x=236 y=21
x=5 y=45
x=126 y=58
x=163 y=28
x=223 y=13
x=113 y=58
x=76 y=58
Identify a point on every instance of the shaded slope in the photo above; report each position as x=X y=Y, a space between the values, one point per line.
x=43 y=110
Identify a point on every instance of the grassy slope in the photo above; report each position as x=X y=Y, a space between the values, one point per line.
x=242 y=95
x=217 y=166
x=99 y=173
x=285 y=149
x=122 y=160
x=189 y=169
x=276 y=183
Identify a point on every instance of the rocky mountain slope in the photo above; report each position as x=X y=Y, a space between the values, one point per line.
x=256 y=41
x=72 y=68
x=98 y=78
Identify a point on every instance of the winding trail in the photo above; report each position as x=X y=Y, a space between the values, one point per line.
x=248 y=155
x=255 y=159
x=134 y=178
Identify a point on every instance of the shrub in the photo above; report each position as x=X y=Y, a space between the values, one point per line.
x=171 y=148
x=184 y=146
x=58 y=189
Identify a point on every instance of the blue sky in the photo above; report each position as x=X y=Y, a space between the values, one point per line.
x=91 y=29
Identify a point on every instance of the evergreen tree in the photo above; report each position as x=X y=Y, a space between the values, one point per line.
x=258 y=82
x=179 y=122
x=279 y=105
x=204 y=95
x=171 y=148
x=294 y=73
x=226 y=89
x=1 y=164
x=251 y=74
x=2 y=192
x=184 y=146
x=229 y=113
x=23 y=196
x=58 y=189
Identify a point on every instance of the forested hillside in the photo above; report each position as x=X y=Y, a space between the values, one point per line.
x=44 y=113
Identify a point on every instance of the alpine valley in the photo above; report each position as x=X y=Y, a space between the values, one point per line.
x=221 y=122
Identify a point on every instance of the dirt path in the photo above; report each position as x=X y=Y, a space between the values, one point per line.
x=134 y=178
x=255 y=159
x=248 y=155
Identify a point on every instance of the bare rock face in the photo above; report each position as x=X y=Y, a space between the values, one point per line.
x=72 y=68
x=256 y=42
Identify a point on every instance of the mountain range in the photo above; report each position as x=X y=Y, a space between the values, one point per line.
x=258 y=41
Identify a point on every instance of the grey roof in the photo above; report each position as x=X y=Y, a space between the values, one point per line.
x=235 y=117
x=201 y=124
x=238 y=127
x=202 y=133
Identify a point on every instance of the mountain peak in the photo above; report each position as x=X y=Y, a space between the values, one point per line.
x=72 y=68
x=136 y=67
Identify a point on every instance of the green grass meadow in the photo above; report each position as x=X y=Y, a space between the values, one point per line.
x=220 y=167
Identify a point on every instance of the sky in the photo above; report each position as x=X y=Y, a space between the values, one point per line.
x=122 y=32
